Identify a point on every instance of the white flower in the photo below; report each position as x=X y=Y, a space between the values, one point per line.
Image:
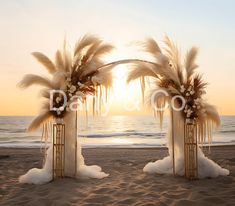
x=72 y=89
x=80 y=85
x=189 y=88
x=192 y=92
x=187 y=94
x=189 y=111
x=182 y=89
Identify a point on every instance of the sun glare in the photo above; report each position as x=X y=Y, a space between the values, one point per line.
x=121 y=141
x=122 y=90
x=125 y=98
x=119 y=82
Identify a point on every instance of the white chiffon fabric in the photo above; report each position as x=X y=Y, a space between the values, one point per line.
x=44 y=175
x=206 y=167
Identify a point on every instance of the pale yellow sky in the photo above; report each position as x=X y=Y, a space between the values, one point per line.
x=28 y=26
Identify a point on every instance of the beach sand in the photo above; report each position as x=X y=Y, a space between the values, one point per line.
x=126 y=185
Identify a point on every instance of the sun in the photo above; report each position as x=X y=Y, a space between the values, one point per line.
x=120 y=87
x=119 y=82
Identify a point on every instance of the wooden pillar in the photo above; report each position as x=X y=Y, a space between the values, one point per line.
x=76 y=132
x=173 y=141
x=58 y=159
x=190 y=149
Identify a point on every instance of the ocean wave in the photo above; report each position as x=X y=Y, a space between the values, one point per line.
x=134 y=145
x=21 y=142
x=226 y=131
x=123 y=134
x=11 y=130
x=138 y=131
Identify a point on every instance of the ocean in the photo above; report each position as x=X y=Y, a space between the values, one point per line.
x=110 y=131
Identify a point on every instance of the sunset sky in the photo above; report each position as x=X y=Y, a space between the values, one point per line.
x=28 y=26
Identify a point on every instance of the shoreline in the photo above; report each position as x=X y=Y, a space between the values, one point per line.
x=115 y=147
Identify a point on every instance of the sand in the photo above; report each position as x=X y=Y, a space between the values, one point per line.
x=126 y=185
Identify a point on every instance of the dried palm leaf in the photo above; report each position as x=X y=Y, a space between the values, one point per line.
x=141 y=70
x=84 y=42
x=39 y=120
x=198 y=83
x=190 y=65
x=59 y=62
x=45 y=93
x=31 y=79
x=91 y=51
x=103 y=49
x=173 y=53
x=45 y=61
x=151 y=46
x=104 y=77
x=67 y=58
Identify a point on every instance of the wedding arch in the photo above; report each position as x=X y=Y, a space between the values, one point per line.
x=83 y=73
x=192 y=118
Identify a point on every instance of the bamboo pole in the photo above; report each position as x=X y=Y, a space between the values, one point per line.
x=53 y=164
x=58 y=150
x=173 y=141
x=196 y=153
x=185 y=148
x=190 y=150
x=76 y=130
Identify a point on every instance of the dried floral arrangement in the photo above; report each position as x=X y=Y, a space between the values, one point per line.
x=77 y=74
x=177 y=78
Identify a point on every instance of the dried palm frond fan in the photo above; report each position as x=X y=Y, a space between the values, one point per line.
x=74 y=76
x=179 y=80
